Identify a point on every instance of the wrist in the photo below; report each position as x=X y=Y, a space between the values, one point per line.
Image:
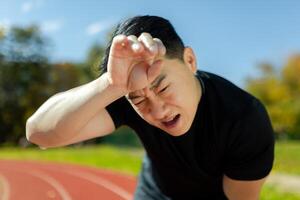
x=105 y=82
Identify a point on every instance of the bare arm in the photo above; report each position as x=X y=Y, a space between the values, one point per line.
x=247 y=190
x=79 y=113
x=64 y=115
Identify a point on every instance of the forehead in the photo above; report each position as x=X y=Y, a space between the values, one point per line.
x=169 y=66
x=154 y=84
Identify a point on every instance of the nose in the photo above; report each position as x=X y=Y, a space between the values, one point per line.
x=158 y=108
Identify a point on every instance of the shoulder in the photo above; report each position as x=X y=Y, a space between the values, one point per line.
x=235 y=106
x=224 y=97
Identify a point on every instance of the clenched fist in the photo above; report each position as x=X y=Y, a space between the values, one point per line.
x=133 y=62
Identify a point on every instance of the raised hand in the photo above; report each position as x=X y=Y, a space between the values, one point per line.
x=134 y=62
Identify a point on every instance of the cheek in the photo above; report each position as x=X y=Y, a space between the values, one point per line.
x=182 y=99
x=177 y=96
x=175 y=99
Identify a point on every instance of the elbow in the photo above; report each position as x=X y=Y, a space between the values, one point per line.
x=42 y=139
x=29 y=129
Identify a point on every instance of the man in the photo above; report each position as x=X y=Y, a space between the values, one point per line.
x=204 y=137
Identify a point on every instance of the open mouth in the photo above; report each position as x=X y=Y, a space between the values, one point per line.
x=172 y=122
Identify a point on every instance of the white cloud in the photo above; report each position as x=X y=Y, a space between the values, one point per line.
x=99 y=26
x=51 y=26
x=30 y=5
x=5 y=25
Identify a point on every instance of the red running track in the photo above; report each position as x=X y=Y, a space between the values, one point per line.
x=32 y=180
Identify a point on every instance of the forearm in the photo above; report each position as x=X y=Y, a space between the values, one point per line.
x=67 y=112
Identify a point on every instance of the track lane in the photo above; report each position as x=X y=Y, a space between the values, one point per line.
x=70 y=181
x=26 y=186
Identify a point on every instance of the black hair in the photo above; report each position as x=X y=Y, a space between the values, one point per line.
x=158 y=27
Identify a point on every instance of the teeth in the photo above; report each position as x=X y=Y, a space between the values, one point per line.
x=170 y=119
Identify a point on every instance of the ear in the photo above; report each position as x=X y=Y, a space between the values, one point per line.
x=189 y=59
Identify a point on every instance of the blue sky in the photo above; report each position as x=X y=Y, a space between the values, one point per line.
x=229 y=37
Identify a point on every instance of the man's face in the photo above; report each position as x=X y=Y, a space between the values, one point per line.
x=170 y=102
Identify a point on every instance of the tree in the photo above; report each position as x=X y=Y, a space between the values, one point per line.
x=24 y=44
x=279 y=90
x=94 y=57
x=27 y=79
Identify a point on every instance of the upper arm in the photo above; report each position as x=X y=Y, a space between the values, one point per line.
x=250 y=155
x=250 y=152
x=99 y=125
x=246 y=190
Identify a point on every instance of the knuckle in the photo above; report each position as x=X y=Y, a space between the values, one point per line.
x=132 y=37
x=145 y=34
x=118 y=38
x=158 y=41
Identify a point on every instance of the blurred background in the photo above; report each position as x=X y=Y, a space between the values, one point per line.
x=51 y=46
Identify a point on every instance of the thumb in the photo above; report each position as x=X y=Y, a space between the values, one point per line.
x=154 y=70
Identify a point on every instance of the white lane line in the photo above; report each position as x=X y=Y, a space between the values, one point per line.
x=53 y=182
x=102 y=182
x=6 y=188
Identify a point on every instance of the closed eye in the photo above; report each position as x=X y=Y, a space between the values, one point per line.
x=139 y=102
x=163 y=89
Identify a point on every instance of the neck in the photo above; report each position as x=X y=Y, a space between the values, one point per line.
x=198 y=89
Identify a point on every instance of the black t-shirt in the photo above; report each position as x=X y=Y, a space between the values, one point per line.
x=231 y=134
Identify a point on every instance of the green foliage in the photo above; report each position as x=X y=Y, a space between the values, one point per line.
x=290 y=75
x=24 y=45
x=27 y=79
x=23 y=79
x=23 y=86
x=63 y=76
x=124 y=136
x=94 y=59
x=280 y=92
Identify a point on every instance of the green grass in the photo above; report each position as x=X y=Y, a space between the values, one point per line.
x=287 y=157
x=128 y=160
x=271 y=193
x=121 y=159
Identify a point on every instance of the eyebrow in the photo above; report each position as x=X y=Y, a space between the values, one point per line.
x=154 y=84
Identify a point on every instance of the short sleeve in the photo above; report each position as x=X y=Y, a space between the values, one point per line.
x=250 y=152
x=117 y=110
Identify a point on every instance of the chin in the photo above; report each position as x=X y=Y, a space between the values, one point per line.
x=179 y=132
x=177 y=129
